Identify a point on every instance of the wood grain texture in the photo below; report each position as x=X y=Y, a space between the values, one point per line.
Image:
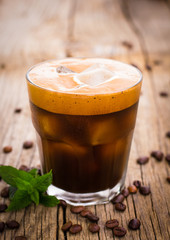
x=33 y=31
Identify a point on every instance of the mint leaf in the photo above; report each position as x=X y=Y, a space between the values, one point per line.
x=23 y=185
x=48 y=201
x=33 y=172
x=9 y=174
x=12 y=191
x=20 y=200
x=35 y=197
x=27 y=187
x=41 y=183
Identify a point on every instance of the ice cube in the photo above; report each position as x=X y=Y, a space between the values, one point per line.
x=64 y=70
x=94 y=75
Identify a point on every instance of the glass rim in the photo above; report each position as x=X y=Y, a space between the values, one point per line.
x=83 y=94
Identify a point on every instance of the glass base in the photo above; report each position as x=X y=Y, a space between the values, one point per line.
x=86 y=199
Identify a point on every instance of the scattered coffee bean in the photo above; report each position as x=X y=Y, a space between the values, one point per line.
x=127 y=44
x=92 y=217
x=3 y=207
x=20 y=238
x=168 y=179
x=39 y=171
x=24 y=168
x=168 y=134
x=18 y=110
x=158 y=155
x=7 y=149
x=119 y=231
x=12 y=224
x=94 y=227
x=144 y=190
x=66 y=226
x=112 y=223
x=132 y=189
x=85 y=212
x=5 y=192
x=75 y=228
x=125 y=192
x=137 y=183
x=157 y=62
x=148 y=67
x=62 y=203
x=134 y=224
x=118 y=198
x=2 y=226
x=120 y=206
x=167 y=158
x=163 y=94
x=63 y=69
x=142 y=160
x=27 y=144
x=77 y=209
x=2 y=65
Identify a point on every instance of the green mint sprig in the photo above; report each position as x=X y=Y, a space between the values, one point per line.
x=27 y=187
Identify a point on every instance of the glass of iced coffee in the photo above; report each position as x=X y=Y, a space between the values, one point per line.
x=84 y=112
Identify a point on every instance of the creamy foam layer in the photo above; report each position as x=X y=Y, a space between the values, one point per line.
x=90 y=86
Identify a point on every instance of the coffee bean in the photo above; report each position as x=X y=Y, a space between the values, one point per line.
x=137 y=183
x=85 y=212
x=168 y=179
x=2 y=226
x=3 y=207
x=27 y=144
x=132 y=189
x=39 y=171
x=127 y=44
x=77 y=209
x=134 y=224
x=163 y=94
x=157 y=62
x=18 y=110
x=118 y=198
x=2 y=65
x=75 y=228
x=94 y=227
x=12 y=224
x=120 y=206
x=24 y=168
x=62 y=203
x=20 y=238
x=5 y=192
x=0 y=178
x=144 y=190
x=92 y=217
x=112 y=223
x=167 y=158
x=142 y=160
x=119 y=231
x=168 y=134
x=125 y=192
x=7 y=149
x=148 y=67
x=158 y=155
x=66 y=226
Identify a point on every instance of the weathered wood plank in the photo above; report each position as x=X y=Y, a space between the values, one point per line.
x=35 y=31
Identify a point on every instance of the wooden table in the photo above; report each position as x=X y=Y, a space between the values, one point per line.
x=136 y=32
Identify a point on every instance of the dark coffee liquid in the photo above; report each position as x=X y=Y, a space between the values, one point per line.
x=86 y=153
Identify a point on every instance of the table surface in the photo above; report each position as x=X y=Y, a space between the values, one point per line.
x=136 y=32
